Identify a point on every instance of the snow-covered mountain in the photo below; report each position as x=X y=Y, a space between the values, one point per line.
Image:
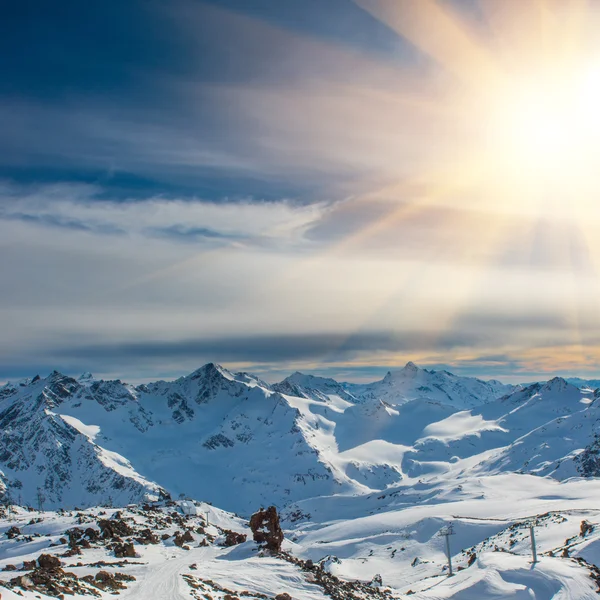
x=234 y=440
x=209 y=434
x=412 y=382
x=365 y=477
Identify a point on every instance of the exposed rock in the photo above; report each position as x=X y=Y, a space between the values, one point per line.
x=13 y=532
x=107 y=581
x=93 y=535
x=52 y=582
x=48 y=562
x=182 y=538
x=232 y=538
x=284 y=596
x=10 y=568
x=266 y=529
x=335 y=588
x=126 y=550
x=147 y=537
x=114 y=528
x=585 y=528
x=22 y=581
x=28 y=565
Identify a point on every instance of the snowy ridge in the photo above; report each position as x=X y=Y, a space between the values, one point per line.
x=213 y=434
x=412 y=382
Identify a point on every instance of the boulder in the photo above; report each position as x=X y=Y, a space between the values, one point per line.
x=266 y=529
x=13 y=532
x=93 y=535
x=114 y=528
x=585 y=528
x=182 y=538
x=232 y=538
x=48 y=562
x=146 y=537
x=126 y=550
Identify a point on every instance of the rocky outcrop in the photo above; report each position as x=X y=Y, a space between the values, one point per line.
x=182 y=538
x=47 y=561
x=232 y=538
x=266 y=529
x=126 y=550
x=114 y=528
x=13 y=532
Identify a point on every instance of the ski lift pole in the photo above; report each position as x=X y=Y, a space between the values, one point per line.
x=447 y=532
x=449 y=556
x=533 y=545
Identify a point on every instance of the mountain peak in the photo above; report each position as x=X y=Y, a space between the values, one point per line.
x=210 y=370
x=556 y=384
x=410 y=367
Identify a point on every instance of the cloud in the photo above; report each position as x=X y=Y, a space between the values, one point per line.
x=266 y=193
x=161 y=285
x=79 y=207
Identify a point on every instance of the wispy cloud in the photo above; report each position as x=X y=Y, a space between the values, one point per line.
x=80 y=207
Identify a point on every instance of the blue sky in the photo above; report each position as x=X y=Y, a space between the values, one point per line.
x=278 y=185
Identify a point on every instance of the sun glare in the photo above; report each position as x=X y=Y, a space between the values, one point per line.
x=549 y=127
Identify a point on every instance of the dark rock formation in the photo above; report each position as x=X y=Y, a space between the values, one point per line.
x=146 y=537
x=232 y=538
x=585 y=528
x=48 y=562
x=126 y=550
x=114 y=528
x=266 y=529
x=13 y=532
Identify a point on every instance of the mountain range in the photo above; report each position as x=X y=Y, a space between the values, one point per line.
x=240 y=443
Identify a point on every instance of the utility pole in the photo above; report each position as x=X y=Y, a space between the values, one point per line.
x=447 y=532
x=533 y=546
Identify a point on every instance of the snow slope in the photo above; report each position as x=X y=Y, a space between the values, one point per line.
x=353 y=538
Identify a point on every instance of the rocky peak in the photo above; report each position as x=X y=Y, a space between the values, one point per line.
x=209 y=371
x=556 y=384
x=410 y=370
x=59 y=387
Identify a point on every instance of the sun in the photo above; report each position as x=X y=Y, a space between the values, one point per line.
x=547 y=125
x=517 y=85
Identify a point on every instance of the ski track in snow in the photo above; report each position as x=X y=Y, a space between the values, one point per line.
x=164 y=581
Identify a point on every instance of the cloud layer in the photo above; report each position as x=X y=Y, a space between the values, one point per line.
x=283 y=188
